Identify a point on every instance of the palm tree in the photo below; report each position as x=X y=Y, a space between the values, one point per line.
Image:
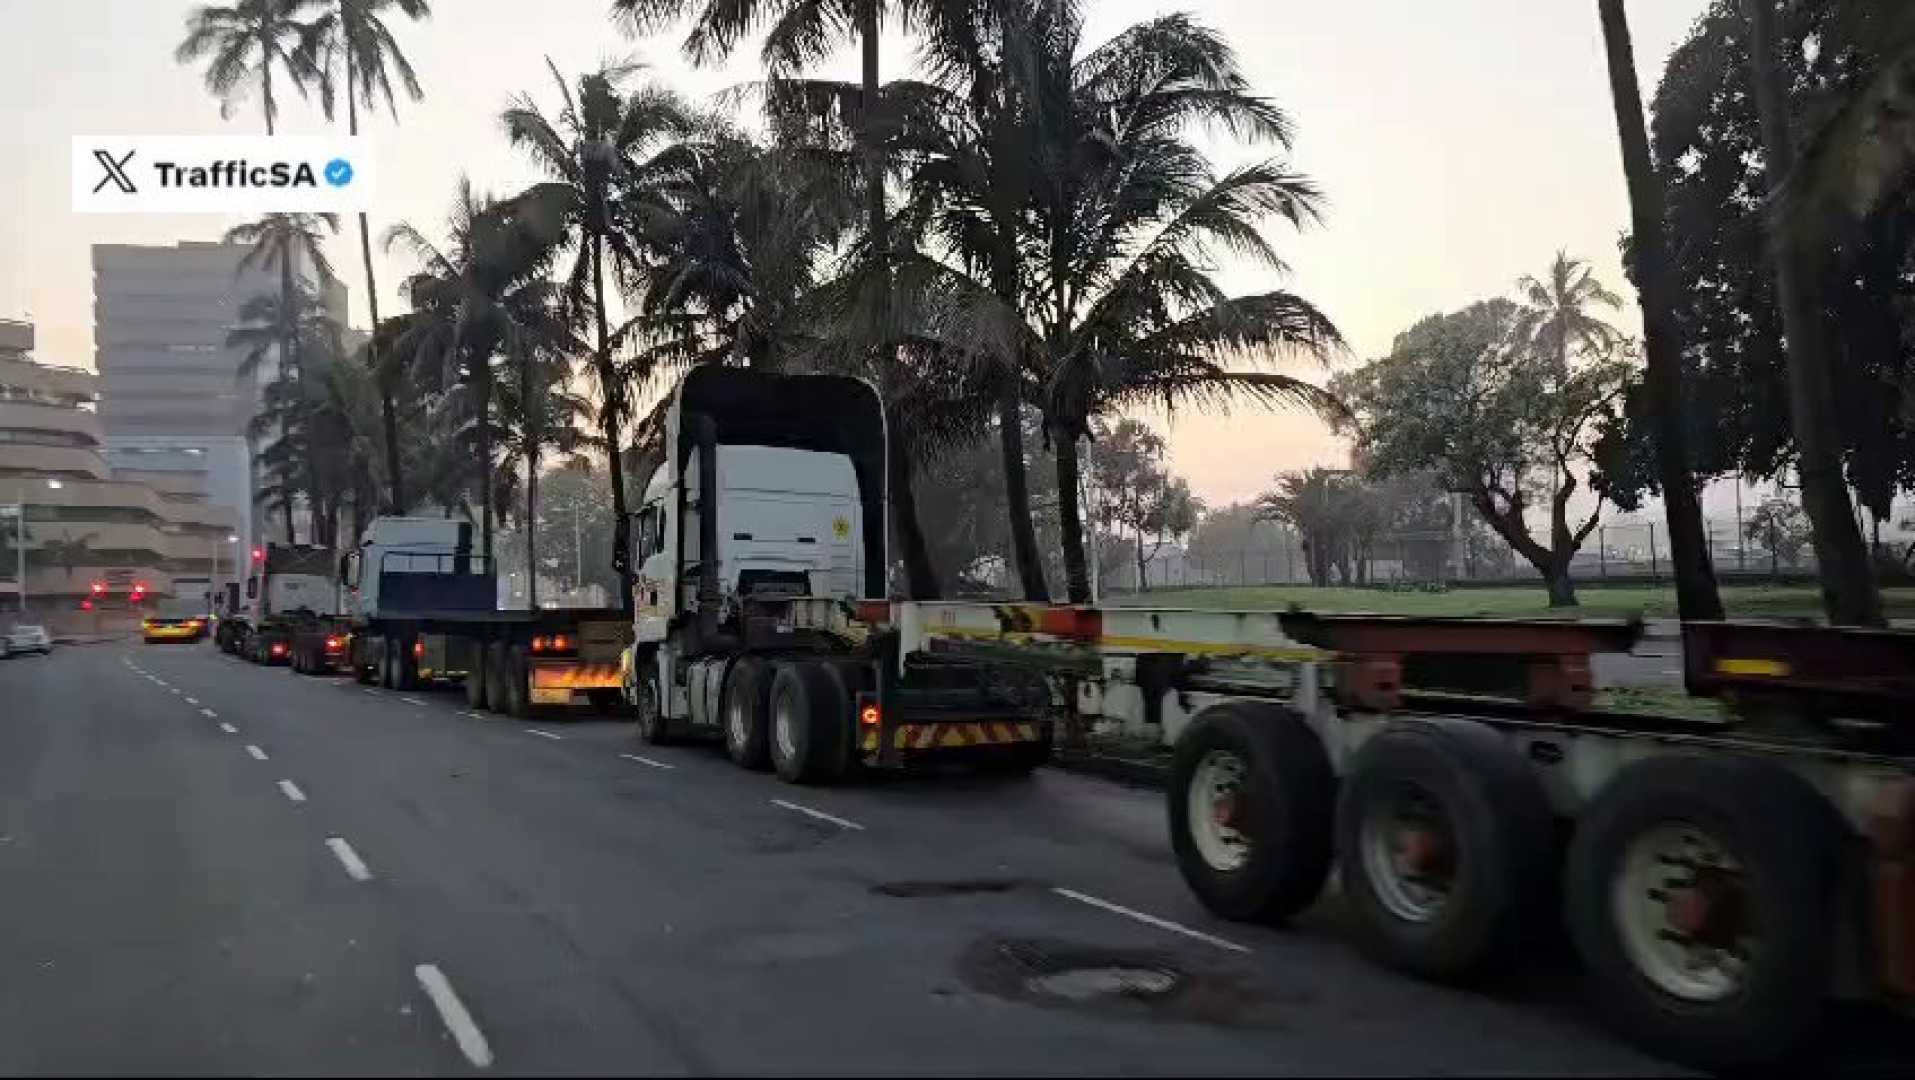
x=1121 y=307
x=1849 y=591
x=283 y=420
x=539 y=412
x=246 y=41
x=356 y=31
x=1556 y=310
x=801 y=33
x=592 y=152
x=1696 y=593
x=485 y=294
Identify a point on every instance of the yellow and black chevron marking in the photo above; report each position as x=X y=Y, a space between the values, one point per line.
x=950 y=736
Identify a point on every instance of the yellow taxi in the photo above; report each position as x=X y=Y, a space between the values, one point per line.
x=156 y=629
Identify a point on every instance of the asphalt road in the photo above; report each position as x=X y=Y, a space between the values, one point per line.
x=209 y=867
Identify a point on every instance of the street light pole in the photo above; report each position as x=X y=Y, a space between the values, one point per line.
x=20 y=549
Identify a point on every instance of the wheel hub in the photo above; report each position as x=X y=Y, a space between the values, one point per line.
x=1216 y=811
x=1682 y=913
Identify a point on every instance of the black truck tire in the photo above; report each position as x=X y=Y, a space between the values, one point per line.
x=648 y=701
x=518 y=694
x=1446 y=847
x=363 y=672
x=809 y=721
x=478 y=691
x=1284 y=797
x=1782 y=837
x=747 y=710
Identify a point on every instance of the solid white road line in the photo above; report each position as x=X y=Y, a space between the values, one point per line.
x=1161 y=924
x=209 y=714
x=348 y=858
x=543 y=734
x=228 y=729
x=819 y=814
x=258 y=754
x=452 y=1011
x=413 y=701
x=292 y=791
x=647 y=761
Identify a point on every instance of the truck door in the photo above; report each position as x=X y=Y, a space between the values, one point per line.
x=655 y=581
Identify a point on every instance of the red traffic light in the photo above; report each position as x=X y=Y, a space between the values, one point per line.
x=259 y=554
x=86 y=605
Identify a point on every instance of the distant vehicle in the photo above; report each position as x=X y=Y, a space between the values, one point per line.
x=290 y=589
x=26 y=638
x=175 y=620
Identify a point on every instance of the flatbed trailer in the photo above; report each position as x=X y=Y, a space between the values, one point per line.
x=1721 y=879
x=510 y=661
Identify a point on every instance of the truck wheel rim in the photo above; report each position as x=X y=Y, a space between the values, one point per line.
x=1408 y=852
x=1681 y=911
x=782 y=725
x=1216 y=809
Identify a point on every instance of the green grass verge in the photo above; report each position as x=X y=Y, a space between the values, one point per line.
x=1622 y=601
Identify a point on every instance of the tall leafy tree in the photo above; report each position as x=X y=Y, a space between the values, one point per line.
x=243 y=42
x=354 y=35
x=1849 y=591
x=1696 y=594
x=798 y=34
x=1122 y=306
x=591 y=149
x=289 y=461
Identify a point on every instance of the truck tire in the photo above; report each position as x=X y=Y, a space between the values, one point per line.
x=389 y=677
x=1252 y=802
x=808 y=721
x=478 y=692
x=1714 y=851
x=648 y=701
x=747 y=706
x=363 y=672
x=1447 y=849
x=517 y=702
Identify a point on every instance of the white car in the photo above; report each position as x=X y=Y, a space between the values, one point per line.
x=26 y=638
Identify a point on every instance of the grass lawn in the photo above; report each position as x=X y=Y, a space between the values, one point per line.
x=1746 y=601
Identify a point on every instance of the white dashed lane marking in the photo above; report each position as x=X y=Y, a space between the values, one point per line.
x=258 y=754
x=1152 y=920
x=819 y=814
x=647 y=761
x=413 y=701
x=192 y=701
x=453 y=1013
x=209 y=714
x=292 y=791
x=348 y=858
x=228 y=729
x=543 y=734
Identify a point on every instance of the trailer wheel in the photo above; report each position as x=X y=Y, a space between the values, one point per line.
x=747 y=703
x=389 y=666
x=1446 y=845
x=517 y=701
x=809 y=714
x=1699 y=894
x=1252 y=799
x=478 y=690
x=363 y=673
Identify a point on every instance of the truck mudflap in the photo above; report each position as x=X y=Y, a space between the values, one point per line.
x=555 y=681
x=956 y=734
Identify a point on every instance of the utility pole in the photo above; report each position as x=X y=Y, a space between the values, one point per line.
x=20 y=549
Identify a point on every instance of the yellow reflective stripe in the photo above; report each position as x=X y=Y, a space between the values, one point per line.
x=1775 y=668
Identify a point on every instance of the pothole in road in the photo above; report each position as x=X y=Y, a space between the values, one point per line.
x=1133 y=983
x=963 y=887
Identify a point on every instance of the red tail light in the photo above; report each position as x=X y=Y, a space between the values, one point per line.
x=869 y=715
x=279 y=649
x=561 y=643
x=540 y=643
x=418 y=650
x=334 y=644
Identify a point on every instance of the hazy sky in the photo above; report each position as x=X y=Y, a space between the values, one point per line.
x=1460 y=142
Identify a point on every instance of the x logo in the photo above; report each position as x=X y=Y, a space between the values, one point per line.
x=115 y=172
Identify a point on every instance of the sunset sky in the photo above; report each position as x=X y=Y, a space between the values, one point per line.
x=1460 y=144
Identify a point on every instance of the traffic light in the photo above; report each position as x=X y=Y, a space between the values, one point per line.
x=259 y=554
x=86 y=605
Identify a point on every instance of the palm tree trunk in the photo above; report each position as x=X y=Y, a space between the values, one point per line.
x=1696 y=594
x=921 y=579
x=1849 y=592
x=266 y=85
x=289 y=357
x=388 y=411
x=1017 y=492
x=1070 y=525
x=484 y=371
x=608 y=423
x=533 y=434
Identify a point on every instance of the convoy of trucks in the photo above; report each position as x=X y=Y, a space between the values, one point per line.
x=1721 y=878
